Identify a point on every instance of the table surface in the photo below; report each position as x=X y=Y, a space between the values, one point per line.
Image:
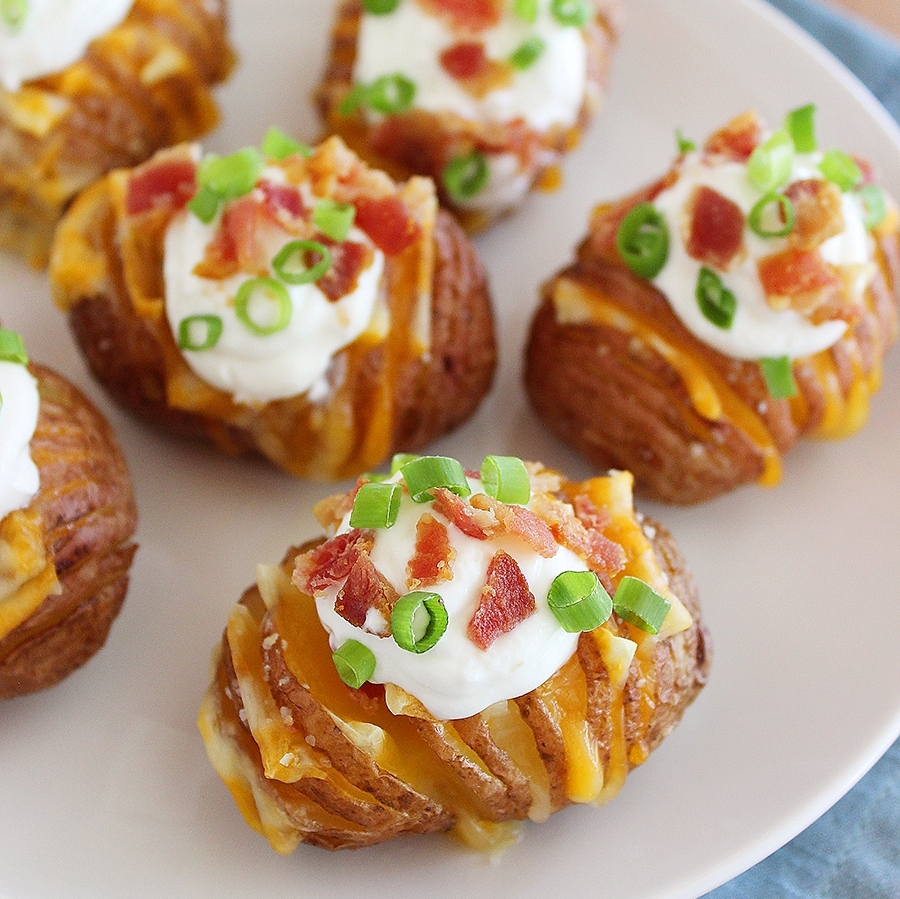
x=884 y=13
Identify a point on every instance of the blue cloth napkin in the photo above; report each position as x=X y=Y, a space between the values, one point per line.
x=853 y=850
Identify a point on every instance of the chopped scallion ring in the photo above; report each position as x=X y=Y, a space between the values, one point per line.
x=527 y=53
x=400 y=459
x=353 y=100
x=334 y=219
x=263 y=306
x=380 y=7
x=771 y=163
x=418 y=621
x=772 y=216
x=391 y=94
x=874 y=205
x=12 y=347
x=233 y=175
x=779 y=375
x=578 y=601
x=639 y=604
x=278 y=144
x=355 y=663
x=465 y=176
x=526 y=10
x=800 y=124
x=424 y=473
x=571 y=12
x=205 y=204
x=13 y=13
x=199 y=332
x=376 y=505
x=716 y=301
x=302 y=261
x=684 y=144
x=506 y=478
x=840 y=168
x=643 y=240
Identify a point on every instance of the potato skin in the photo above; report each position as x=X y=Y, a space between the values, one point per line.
x=617 y=401
x=87 y=505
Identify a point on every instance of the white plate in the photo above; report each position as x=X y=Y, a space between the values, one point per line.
x=104 y=786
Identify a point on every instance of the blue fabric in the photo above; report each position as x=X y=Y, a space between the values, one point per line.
x=853 y=850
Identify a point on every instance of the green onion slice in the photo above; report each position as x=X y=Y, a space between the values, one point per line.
x=233 y=175
x=355 y=663
x=527 y=53
x=526 y=10
x=380 y=7
x=716 y=301
x=376 y=505
x=643 y=240
x=418 y=621
x=639 y=604
x=779 y=375
x=400 y=459
x=838 y=167
x=571 y=12
x=13 y=12
x=465 y=176
x=199 y=332
x=578 y=601
x=684 y=144
x=874 y=205
x=302 y=261
x=205 y=204
x=334 y=219
x=353 y=100
x=772 y=216
x=800 y=125
x=263 y=306
x=12 y=347
x=391 y=94
x=506 y=479
x=771 y=163
x=278 y=144
x=427 y=472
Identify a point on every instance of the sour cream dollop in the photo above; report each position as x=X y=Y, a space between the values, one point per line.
x=52 y=35
x=758 y=330
x=455 y=678
x=19 y=477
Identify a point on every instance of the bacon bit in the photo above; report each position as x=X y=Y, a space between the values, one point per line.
x=817 y=210
x=433 y=555
x=348 y=260
x=505 y=601
x=603 y=551
x=283 y=202
x=715 y=228
x=167 y=183
x=364 y=589
x=736 y=140
x=235 y=247
x=467 y=59
x=466 y=15
x=517 y=521
x=798 y=279
x=387 y=222
x=330 y=562
x=457 y=511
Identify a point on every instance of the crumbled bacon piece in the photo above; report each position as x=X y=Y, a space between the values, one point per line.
x=455 y=509
x=736 y=140
x=817 y=212
x=715 y=228
x=364 y=589
x=517 y=521
x=348 y=260
x=235 y=246
x=282 y=201
x=330 y=562
x=466 y=59
x=433 y=554
x=505 y=601
x=466 y=15
x=798 y=279
x=387 y=222
x=163 y=183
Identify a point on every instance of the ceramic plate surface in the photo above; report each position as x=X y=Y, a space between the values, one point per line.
x=105 y=791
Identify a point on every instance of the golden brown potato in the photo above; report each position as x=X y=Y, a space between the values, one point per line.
x=613 y=370
x=66 y=557
x=427 y=139
x=419 y=378
x=308 y=758
x=144 y=85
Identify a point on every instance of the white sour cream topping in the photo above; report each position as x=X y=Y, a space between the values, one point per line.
x=253 y=368
x=758 y=330
x=19 y=477
x=547 y=93
x=53 y=35
x=455 y=679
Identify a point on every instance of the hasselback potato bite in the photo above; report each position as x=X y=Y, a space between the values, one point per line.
x=710 y=320
x=484 y=97
x=88 y=87
x=285 y=300
x=461 y=650
x=67 y=517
